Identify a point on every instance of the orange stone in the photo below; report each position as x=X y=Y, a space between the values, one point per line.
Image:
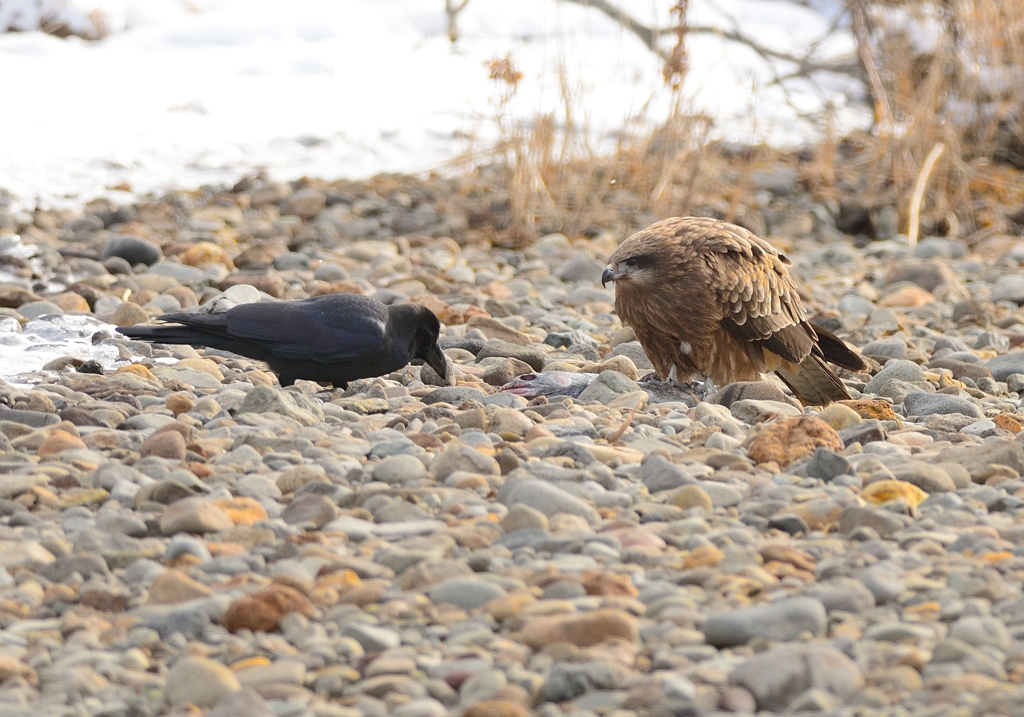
x=200 y=470
x=59 y=441
x=139 y=370
x=1008 y=423
x=928 y=609
x=258 y=661
x=706 y=556
x=179 y=403
x=885 y=491
x=871 y=408
x=793 y=439
x=342 y=580
x=203 y=253
x=262 y=611
x=242 y=510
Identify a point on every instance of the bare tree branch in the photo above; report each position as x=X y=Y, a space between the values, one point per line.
x=649 y=36
x=860 y=31
x=453 y=8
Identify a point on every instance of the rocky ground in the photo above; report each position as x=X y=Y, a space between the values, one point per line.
x=181 y=536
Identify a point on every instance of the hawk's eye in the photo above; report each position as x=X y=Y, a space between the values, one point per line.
x=639 y=262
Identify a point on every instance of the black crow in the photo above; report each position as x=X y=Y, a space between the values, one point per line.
x=328 y=339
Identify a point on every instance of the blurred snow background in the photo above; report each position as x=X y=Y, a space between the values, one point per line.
x=180 y=93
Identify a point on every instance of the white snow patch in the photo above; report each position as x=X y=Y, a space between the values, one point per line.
x=184 y=93
x=24 y=350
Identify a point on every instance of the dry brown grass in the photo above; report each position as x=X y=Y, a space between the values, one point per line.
x=558 y=182
x=944 y=94
x=966 y=92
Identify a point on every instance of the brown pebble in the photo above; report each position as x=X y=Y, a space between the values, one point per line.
x=501 y=373
x=174 y=586
x=205 y=253
x=39 y=402
x=11 y=297
x=368 y=593
x=262 y=611
x=496 y=708
x=185 y=296
x=11 y=666
x=143 y=297
x=70 y=301
x=581 y=630
x=179 y=403
x=129 y=314
x=793 y=439
x=494 y=329
x=165 y=444
x=738 y=700
x=597 y=582
x=193 y=515
x=261 y=254
x=59 y=441
x=269 y=283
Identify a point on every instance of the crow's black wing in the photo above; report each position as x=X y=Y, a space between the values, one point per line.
x=325 y=329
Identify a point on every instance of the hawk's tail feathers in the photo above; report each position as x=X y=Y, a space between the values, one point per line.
x=813 y=382
x=834 y=349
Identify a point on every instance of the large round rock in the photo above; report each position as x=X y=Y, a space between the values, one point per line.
x=133 y=249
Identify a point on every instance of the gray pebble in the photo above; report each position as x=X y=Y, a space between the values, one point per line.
x=783 y=620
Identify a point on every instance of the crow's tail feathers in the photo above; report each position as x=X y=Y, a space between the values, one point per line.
x=172 y=334
x=208 y=330
x=182 y=328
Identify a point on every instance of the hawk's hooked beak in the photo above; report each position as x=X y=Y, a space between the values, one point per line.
x=607 y=275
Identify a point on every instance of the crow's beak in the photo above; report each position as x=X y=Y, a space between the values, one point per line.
x=607 y=275
x=437 y=360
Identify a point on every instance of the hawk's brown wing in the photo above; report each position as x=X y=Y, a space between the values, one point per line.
x=759 y=302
